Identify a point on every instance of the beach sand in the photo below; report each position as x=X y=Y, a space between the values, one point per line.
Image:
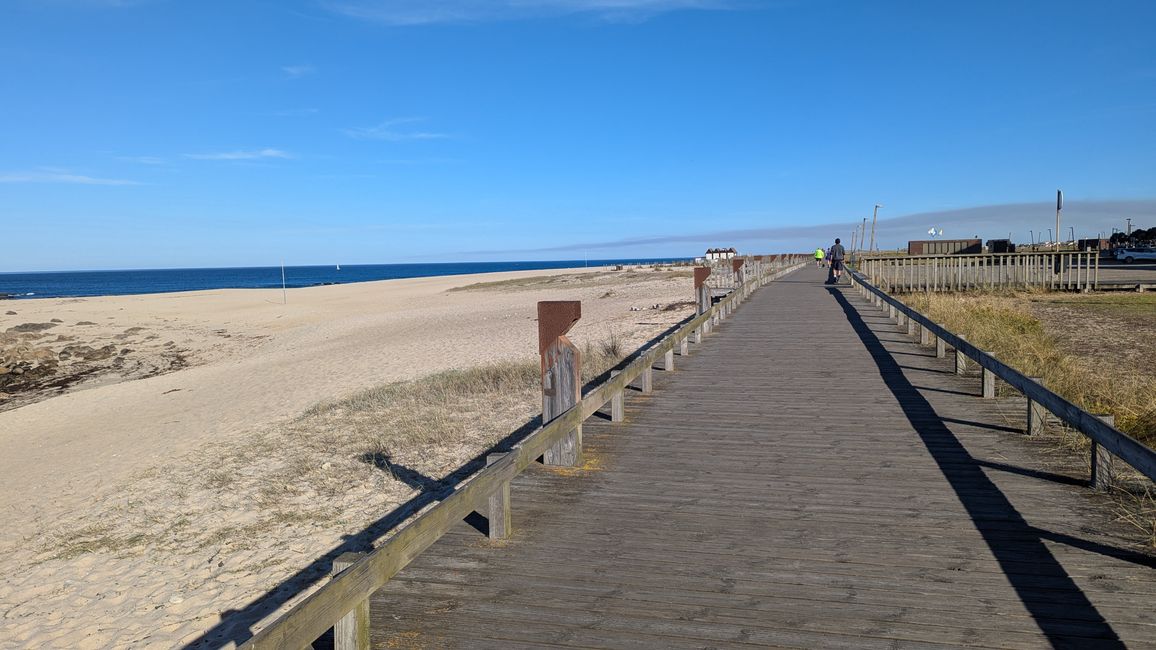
x=137 y=495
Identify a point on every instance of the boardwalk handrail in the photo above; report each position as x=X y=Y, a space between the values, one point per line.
x=1141 y=457
x=322 y=609
x=1079 y=270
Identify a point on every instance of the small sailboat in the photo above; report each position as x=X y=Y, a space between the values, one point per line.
x=338 y=267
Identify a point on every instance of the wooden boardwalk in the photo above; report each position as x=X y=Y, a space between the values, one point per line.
x=808 y=477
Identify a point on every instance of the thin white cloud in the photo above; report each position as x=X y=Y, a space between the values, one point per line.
x=61 y=177
x=255 y=154
x=425 y=12
x=394 y=131
x=298 y=71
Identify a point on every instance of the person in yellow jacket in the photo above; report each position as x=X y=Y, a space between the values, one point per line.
x=819 y=258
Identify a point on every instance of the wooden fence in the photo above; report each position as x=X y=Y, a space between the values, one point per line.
x=343 y=603
x=1108 y=443
x=1074 y=271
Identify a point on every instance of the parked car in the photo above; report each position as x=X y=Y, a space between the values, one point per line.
x=1129 y=255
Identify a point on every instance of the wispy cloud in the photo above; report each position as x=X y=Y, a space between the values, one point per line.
x=988 y=221
x=394 y=130
x=61 y=177
x=255 y=154
x=425 y=12
x=298 y=71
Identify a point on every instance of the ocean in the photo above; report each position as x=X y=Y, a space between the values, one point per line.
x=66 y=284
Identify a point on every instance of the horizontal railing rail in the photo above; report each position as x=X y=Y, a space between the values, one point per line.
x=346 y=591
x=1104 y=436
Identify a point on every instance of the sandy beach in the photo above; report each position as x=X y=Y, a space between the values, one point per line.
x=126 y=490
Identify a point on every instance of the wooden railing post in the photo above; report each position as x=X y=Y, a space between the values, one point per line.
x=646 y=380
x=668 y=360
x=911 y=325
x=352 y=631
x=940 y=346
x=702 y=299
x=561 y=375
x=498 y=506
x=987 y=382
x=684 y=346
x=617 y=402
x=925 y=335
x=960 y=358
x=1103 y=463
x=1036 y=413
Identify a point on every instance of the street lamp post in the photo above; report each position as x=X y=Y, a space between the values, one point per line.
x=874 y=217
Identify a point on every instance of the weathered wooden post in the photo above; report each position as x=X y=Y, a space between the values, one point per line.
x=498 y=505
x=940 y=346
x=740 y=276
x=911 y=325
x=1103 y=463
x=925 y=335
x=617 y=402
x=987 y=381
x=561 y=375
x=702 y=298
x=684 y=346
x=1036 y=412
x=668 y=360
x=646 y=379
x=960 y=358
x=352 y=631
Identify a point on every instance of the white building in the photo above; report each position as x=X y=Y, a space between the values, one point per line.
x=720 y=253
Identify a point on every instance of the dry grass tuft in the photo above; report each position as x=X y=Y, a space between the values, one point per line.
x=1002 y=323
x=342 y=463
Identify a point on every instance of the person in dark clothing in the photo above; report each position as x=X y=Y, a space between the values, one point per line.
x=836 y=259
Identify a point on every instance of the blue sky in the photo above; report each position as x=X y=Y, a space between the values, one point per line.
x=167 y=133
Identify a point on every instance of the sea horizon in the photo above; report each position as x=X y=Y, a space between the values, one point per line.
x=18 y=285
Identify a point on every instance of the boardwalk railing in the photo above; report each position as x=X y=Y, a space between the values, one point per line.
x=342 y=603
x=1108 y=442
x=1076 y=271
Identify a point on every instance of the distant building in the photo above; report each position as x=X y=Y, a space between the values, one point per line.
x=720 y=254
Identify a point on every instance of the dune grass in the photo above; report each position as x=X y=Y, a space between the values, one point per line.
x=1003 y=323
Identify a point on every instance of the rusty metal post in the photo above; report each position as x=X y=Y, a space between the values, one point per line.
x=561 y=375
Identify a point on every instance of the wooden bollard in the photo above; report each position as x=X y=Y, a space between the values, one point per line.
x=960 y=359
x=940 y=347
x=702 y=297
x=561 y=375
x=1103 y=463
x=352 y=631
x=987 y=382
x=617 y=402
x=1036 y=413
x=498 y=506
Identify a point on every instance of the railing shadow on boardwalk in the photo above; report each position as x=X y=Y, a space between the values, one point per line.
x=236 y=625
x=1011 y=539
